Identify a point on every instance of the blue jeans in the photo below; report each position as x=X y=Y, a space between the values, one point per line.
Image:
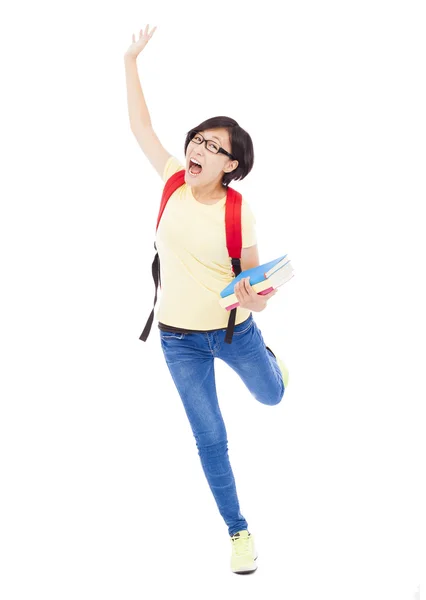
x=190 y=359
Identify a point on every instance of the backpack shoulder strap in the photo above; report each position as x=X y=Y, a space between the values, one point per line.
x=172 y=184
x=233 y=225
x=233 y=228
x=234 y=244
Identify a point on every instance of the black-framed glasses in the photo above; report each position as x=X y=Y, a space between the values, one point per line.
x=211 y=145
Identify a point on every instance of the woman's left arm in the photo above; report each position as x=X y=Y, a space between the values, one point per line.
x=249 y=258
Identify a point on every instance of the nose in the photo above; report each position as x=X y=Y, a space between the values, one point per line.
x=198 y=152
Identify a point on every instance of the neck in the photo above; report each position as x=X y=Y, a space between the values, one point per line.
x=210 y=191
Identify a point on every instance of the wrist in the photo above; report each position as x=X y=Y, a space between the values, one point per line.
x=129 y=57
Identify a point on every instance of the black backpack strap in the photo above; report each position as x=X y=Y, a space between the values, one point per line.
x=236 y=263
x=157 y=280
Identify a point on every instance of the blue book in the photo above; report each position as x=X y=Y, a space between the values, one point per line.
x=257 y=274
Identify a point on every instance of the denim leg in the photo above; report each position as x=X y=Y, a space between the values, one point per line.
x=248 y=356
x=191 y=364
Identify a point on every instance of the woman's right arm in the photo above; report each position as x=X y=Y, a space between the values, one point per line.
x=140 y=120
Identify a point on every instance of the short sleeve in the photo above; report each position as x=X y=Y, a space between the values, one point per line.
x=248 y=225
x=173 y=165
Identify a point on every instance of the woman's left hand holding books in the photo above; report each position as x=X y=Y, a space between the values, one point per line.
x=250 y=299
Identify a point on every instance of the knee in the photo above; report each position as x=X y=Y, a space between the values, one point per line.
x=281 y=393
x=215 y=458
x=211 y=442
x=213 y=451
x=273 y=400
x=277 y=400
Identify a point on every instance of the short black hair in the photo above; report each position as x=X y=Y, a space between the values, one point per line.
x=241 y=145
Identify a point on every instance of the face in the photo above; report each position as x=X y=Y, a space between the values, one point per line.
x=213 y=166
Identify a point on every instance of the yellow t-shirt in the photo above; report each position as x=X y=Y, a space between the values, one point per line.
x=194 y=261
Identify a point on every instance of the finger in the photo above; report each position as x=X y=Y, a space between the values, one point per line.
x=239 y=290
x=150 y=35
x=240 y=294
x=248 y=287
x=133 y=38
x=146 y=29
x=245 y=292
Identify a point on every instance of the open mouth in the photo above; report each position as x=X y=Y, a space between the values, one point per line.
x=195 y=167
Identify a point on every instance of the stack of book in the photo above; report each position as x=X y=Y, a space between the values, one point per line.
x=263 y=279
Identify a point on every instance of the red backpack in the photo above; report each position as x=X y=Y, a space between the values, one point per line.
x=233 y=243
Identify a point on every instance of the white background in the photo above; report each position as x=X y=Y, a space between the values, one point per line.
x=103 y=495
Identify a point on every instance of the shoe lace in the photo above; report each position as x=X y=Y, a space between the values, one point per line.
x=240 y=545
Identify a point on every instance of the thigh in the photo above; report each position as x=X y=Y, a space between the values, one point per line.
x=191 y=365
x=248 y=356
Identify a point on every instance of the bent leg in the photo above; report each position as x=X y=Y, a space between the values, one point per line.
x=256 y=364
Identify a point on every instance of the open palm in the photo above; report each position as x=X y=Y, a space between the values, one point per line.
x=138 y=45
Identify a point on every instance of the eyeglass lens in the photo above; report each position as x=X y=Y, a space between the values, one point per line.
x=212 y=146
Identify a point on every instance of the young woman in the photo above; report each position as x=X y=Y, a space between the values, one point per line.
x=195 y=267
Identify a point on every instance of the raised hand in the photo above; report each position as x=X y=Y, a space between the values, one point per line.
x=138 y=45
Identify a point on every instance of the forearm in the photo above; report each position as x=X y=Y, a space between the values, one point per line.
x=138 y=110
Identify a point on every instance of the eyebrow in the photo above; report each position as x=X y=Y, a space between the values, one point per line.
x=216 y=138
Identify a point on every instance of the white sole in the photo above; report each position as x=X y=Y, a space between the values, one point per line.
x=247 y=569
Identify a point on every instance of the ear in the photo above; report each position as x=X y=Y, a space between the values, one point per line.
x=231 y=166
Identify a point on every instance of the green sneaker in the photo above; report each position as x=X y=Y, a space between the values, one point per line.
x=244 y=553
x=282 y=367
